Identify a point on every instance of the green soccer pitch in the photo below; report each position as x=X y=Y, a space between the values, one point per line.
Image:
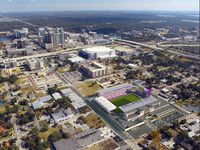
x=123 y=100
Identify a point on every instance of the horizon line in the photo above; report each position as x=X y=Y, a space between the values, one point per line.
x=100 y=10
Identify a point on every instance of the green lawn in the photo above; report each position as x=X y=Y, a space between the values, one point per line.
x=123 y=100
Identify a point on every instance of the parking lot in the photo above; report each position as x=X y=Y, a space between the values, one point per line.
x=172 y=117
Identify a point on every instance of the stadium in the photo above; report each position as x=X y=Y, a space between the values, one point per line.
x=122 y=100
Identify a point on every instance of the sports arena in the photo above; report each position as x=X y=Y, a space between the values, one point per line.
x=121 y=99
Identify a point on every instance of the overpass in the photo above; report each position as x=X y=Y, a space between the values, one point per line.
x=187 y=55
x=47 y=54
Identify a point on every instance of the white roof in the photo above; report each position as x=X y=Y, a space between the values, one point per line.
x=45 y=98
x=76 y=59
x=66 y=91
x=98 y=49
x=77 y=101
x=107 y=56
x=132 y=65
x=37 y=104
x=106 y=104
x=194 y=129
x=138 y=104
x=58 y=116
x=40 y=102
x=56 y=96
x=165 y=90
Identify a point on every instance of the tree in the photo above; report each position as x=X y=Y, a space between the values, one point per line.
x=13 y=101
x=66 y=135
x=12 y=79
x=154 y=135
x=45 y=127
x=183 y=121
x=33 y=141
x=25 y=118
x=52 y=90
x=183 y=135
x=175 y=125
x=24 y=102
x=55 y=136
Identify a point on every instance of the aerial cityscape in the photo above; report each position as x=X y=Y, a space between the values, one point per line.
x=99 y=75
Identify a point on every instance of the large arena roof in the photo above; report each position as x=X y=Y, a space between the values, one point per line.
x=136 y=105
x=97 y=49
x=105 y=103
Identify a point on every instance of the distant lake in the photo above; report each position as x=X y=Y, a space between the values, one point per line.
x=193 y=15
x=166 y=16
x=159 y=21
x=191 y=108
x=3 y=39
x=192 y=21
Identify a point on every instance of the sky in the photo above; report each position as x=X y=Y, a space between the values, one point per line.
x=65 y=5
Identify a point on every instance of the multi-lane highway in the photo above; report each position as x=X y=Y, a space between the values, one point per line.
x=187 y=55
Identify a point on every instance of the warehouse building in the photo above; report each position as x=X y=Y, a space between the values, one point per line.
x=41 y=101
x=77 y=101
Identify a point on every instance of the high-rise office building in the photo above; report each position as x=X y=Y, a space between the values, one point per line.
x=60 y=32
x=21 y=43
x=20 y=33
x=51 y=38
x=55 y=40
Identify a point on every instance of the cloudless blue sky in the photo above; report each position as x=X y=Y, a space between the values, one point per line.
x=60 y=5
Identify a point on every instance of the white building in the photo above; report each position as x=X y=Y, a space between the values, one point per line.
x=57 y=96
x=97 y=52
x=62 y=115
x=77 y=101
x=94 y=69
x=35 y=64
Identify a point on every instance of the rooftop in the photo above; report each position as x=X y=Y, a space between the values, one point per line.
x=45 y=98
x=58 y=116
x=77 y=101
x=80 y=140
x=106 y=104
x=37 y=104
x=40 y=101
x=138 y=104
x=56 y=96
x=118 y=87
x=97 y=49
x=93 y=65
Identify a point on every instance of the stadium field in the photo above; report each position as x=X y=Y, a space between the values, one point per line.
x=123 y=100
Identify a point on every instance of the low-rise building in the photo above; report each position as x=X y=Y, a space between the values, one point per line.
x=77 y=101
x=57 y=96
x=62 y=115
x=94 y=70
x=41 y=101
x=80 y=141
